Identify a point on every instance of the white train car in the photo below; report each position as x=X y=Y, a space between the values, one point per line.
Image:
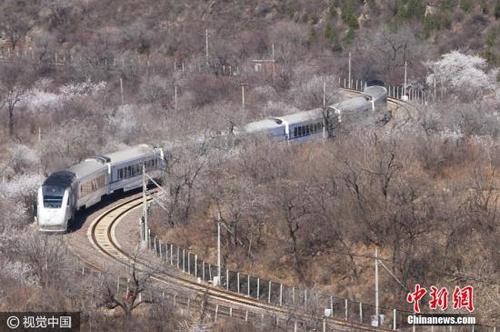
x=126 y=166
x=65 y=192
x=352 y=107
x=377 y=95
x=84 y=184
x=302 y=126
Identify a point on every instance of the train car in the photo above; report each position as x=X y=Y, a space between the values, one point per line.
x=126 y=166
x=272 y=127
x=352 y=107
x=84 y=184
x=302 y=126
x=65 y=192
x=377 y=95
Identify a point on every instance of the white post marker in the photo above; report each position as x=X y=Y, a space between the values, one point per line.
x=360 y=312
x=196 y=265
x=404 y=97
x=349 y=70
x=281 y=294
x=394 y=319
x=238 y=281
x=269 y=292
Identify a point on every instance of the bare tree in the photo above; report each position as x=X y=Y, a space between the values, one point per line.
x=130 y=295
x=15 y=80
x=16 y=19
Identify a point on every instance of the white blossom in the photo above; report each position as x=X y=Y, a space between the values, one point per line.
x=465 y=76
x=20 y=272
x=21 y=186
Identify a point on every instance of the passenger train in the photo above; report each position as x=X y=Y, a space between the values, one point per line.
x=306 y=125
x=84 y=184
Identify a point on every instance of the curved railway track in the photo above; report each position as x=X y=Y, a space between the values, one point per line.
x=101 y=234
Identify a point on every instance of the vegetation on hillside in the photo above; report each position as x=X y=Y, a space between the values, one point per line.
x=84 y=77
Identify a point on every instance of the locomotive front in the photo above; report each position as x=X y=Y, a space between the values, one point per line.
x=53 y=208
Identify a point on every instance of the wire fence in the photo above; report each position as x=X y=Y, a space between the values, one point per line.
x=279 y=294
x=213 y=311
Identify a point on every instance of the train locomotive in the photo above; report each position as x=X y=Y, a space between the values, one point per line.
x=84 y=184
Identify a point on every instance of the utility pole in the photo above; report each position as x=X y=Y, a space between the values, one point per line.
x=121 y=90
x=274 y=61
x=218 y=250
x=206 y=45
x=377 y=309
x=405 y=81
x=175 y=97
x=145 y=204
x=324 y=94
x=349 y=85
x=243 y=96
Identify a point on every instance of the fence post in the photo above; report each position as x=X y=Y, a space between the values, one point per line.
x=324 y=320
x=216 y=311
x=246 y=315
x=230 y=311
x=227 y=279
x=161 y=253
x=281 y=294
x=149 y=239
x=248 y=285
x=203 y=270
x=293 y=295
x=394 y=319
x=210 y=271
x=189 y=263
x=183 y=260
x=346 y=302
x=360 y=312
x=178 y=260
x=269 y=293
x=258 y=288
x=305 y=298
x=196 y=266
x=238 y=281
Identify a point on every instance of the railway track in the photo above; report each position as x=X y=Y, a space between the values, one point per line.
x=101 y=234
